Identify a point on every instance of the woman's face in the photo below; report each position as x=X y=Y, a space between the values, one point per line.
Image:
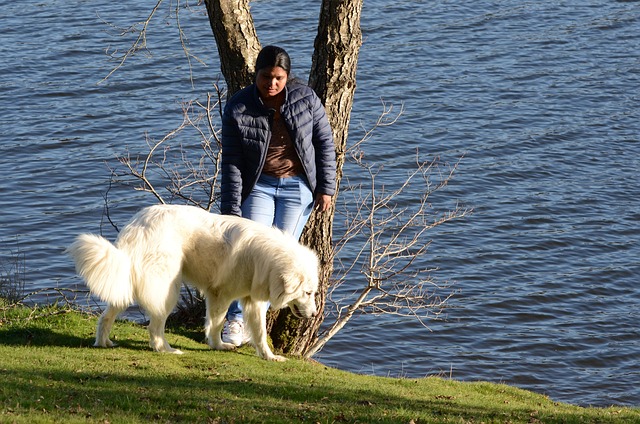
x=271 y=81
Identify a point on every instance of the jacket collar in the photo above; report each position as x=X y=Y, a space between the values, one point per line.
x=260 y=103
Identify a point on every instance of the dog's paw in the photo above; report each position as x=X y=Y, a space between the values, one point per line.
x=222 y=346
x=175 y=351
x=107 y=343
x=276 y=358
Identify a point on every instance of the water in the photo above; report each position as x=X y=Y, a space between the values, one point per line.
x=541 y=99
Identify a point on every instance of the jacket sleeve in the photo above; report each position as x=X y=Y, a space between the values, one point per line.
x=231 y=185
x=325 y=150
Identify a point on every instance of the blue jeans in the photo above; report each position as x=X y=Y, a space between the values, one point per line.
x=284 y=203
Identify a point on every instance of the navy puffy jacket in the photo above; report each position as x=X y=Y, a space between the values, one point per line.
x=246 y=132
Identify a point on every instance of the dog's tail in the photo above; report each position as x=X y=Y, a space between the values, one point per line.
x=106 y=269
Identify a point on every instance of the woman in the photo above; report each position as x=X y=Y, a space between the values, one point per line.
x=278 y=156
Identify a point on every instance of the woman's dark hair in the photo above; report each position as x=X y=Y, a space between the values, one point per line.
x=271 y=56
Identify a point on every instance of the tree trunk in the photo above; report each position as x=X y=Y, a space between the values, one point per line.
x=237 y=41
x=333 y=77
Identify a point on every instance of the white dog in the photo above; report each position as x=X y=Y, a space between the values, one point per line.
x=225 y=257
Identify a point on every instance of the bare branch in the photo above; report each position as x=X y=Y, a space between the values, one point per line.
x=388 y=230
x=385 y=119
x=167 y=172
x=184 y=42
x=139 y=44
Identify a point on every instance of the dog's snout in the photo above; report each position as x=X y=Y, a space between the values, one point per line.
x=303 y=312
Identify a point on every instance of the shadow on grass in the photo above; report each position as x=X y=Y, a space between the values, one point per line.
x=36 y=336
x=45 y=337
x=191 y=399
x=204 y=387
x=126 y=336
x=203 y=396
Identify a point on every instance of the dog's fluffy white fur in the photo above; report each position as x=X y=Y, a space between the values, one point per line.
x=225 y=257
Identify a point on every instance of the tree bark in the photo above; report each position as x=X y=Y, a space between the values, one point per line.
x=237 y=41
x=333 y=77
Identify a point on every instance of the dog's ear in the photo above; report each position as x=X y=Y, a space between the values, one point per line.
x=294 y=282
x=278 y=291
x=285 y=288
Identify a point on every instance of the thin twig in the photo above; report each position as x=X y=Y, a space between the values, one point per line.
x=139 y=44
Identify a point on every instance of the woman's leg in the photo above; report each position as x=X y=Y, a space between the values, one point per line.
x=260 y=205
x=234 y=313
x=293 y=205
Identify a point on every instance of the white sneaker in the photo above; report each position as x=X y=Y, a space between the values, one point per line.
x=234 y=333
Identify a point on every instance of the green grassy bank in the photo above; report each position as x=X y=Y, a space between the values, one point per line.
x=50 y=374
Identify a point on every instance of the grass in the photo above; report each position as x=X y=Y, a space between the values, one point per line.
x=50 y=374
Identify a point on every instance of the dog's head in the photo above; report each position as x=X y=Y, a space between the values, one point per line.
x=297 y=285
x=304 y=305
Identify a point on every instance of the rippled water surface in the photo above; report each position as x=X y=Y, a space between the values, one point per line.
x=541 y=99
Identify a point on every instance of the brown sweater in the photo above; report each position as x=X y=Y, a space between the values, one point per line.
x=282 y=160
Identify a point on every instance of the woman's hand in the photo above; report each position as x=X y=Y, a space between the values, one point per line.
x=322 y=202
